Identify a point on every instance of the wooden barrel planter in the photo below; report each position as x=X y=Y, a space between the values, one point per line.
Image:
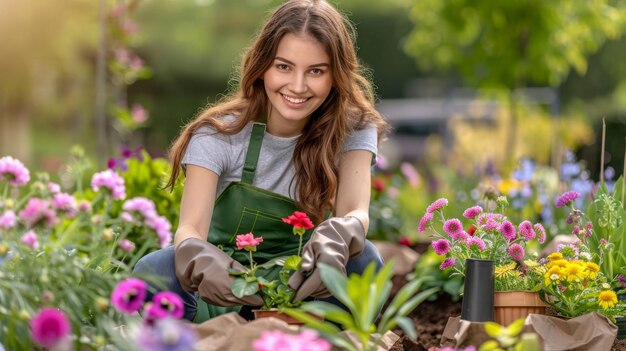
x=512 y=305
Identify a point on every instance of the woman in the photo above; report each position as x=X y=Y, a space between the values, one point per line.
x=300 y=133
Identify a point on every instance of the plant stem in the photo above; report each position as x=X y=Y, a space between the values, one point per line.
x=251 y=261
x=602 y=153
x=300 y=246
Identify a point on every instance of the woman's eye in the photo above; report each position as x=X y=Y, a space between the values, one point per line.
x=282 y=66
x=316 y=71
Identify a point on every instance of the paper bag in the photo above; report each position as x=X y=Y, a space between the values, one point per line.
x=405 y=257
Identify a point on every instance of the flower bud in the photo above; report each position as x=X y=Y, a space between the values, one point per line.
x=502 y=201
x=4 y=248
x=47 y=296
x=9 y=204
x=102 y=304
x=107 y=234
x=23 y=315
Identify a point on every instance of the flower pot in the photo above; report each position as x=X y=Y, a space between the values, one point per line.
x=477 y=303
x=620 y=322
x=512 y=305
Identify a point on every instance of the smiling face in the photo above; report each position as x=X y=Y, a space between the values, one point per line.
x=296 y=84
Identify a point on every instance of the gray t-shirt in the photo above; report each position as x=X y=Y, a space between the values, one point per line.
x=225 y=155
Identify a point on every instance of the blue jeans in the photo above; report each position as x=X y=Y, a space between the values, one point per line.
x=161 y=263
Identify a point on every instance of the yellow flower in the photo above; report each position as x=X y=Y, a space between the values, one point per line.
x=531 y=263
x=555 y=256
x=607 y=299
x=553 y=275
x=592 y=269
x=575 y=272
x=558 y=263
x=505 y=186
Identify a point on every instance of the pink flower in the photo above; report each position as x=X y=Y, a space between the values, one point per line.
x=38 y=211
x=474 y=240
x=140 y=205
x=491 y=224
x=162 y=227
x=542 y=232
x=300 y=222
x=438 y=204
x=170 y=303
x=508 y=230
x=428 y=216
x=576 y=230
x=441 y=246
x=516 y=251
x=13 y=171
x=30 y=239
x=138 y=113
x=64 y=202
x=472 y=212
x=453 y=228
x=566 y=198
x=126 y=245
x=276 y=340
x=448 y=262
x=110 y=180
x=381 y=162
x=54 y=188
x=248 y=242
x=8 y=219
x=527 y=231
x=128 y=295
x=49 y=327
x=410 y=173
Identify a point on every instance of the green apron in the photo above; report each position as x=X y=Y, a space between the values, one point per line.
x=243 y=208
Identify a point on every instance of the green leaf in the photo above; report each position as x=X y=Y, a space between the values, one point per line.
x=311 y=321
x=516 y=327
x=407 y=325
x=292 y=263
x=490 y=345
x=278 y=261
x=493 y=329
x=330 y=312
x=336 y=284
x=241 y=287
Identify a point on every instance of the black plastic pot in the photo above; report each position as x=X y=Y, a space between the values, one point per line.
x=478 y=291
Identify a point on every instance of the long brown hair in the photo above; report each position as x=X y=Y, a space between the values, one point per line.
x=349 y=106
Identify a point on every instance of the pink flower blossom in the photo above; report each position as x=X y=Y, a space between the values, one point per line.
x=50 y=327
x=448 y=262
x=126 y=245
x=474 y=240
x=438 y=204
x=128 y=295
x=276 y=340
x=428 y=216
x=13 y=171
x=54 y=188
x=8 y=219
x=381 y=162
x=300 y=222
x=441 y=246
x=410 y=173
x=453 y=228
x=38 y=211
x=516 y=251
x=64 y=202
x=472 y=212
x=138 y=113
x=110 y=180
x=491 y=224
x=170 y=303
x=566 y=198
x=542 y=232
x=140 y=205
x=527 y=231
x=508 y=230
x=162 y=227
x=30 y=239
x=576 y=230
x=247 y=242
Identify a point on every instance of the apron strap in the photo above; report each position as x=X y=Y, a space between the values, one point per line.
x=252 y=154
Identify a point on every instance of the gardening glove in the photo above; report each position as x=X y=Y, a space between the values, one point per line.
x=333 y=242
x=202 y=267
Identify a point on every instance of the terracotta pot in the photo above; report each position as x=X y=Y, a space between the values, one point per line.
x=258 y=314
x=512 y=305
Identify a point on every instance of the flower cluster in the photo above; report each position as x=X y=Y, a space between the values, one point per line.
x=490 y=236
x=276 y=340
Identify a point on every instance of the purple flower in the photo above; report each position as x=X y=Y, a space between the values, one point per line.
x=65 y=203
x=8 y=219
x=448 y=262
x=474 y=240
x=110 y=180
x=441 y=246
x=30 y=239
x=453 y=228
x=170 y=303
x=527 y=231
x=128 y=295
x=472 y=212
x=276 y=340
x=126 y=245
x=508 y=230
x=438 y=204
x=141 y=205
x=428 y=216
x=542 y=232
x=38 y=211
x=491 y=224
x=13 y=171
x=49 y=327
x=516 y=251
x=410 y=173
x=166 y=335
x=566 y=198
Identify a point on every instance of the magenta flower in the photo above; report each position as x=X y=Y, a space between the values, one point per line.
x=166 y=335
x=128 y=295
x=30 y=239
x=527 y=231
x=566 y=198
x=428 y=216
x=276 y=340
x=516 y=251
x=49 y=327
x=8 y=219
x=438 y=204
x=453 y=227
x=140 y=205
x=126 y=245
x=54 y=187
x=162 y=227
x=491 y=224
x=441 y=246
x=300 y=222
x=448 y=262
x=476 y=241
x=542 y=232
x=170 y=303
x=576 y=230
x=472 y=212
x=110 y=180
x=247 y=242
x=13 y=171
x=66 y=203
x=38 y=211
x=508 y=230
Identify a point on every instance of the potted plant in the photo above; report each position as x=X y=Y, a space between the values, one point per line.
x=276 y=293
x=491 y=236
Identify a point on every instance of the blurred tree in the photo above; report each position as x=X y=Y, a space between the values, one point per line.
x=512 y=44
